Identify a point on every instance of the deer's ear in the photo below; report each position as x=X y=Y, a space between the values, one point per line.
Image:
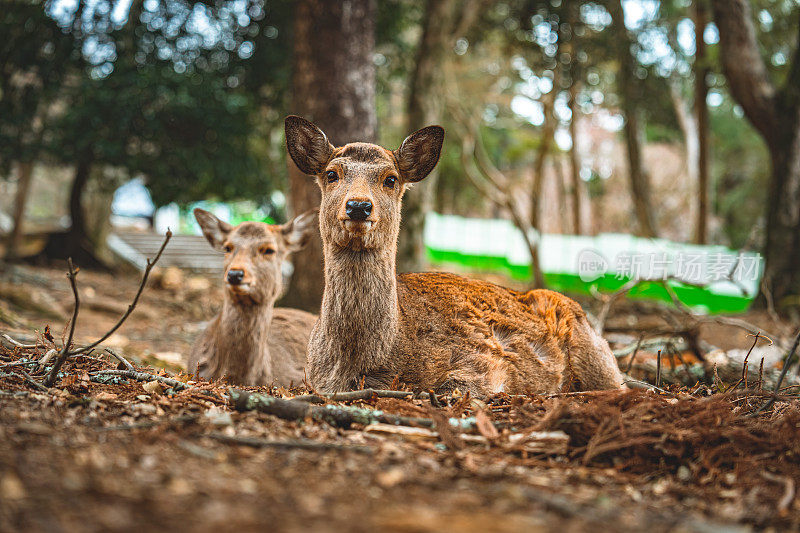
x=215 y=230
x=296 y=233
x=307 y=144
x=419 y=153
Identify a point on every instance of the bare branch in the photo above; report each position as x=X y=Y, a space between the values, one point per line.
x=50 y=379
x=132 y=306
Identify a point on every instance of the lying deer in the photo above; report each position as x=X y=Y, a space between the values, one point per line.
x=251 y=341
x=432 y=330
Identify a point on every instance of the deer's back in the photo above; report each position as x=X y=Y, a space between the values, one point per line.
x=288 y=343
x=475 y=335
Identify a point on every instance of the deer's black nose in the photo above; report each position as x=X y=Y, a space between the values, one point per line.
x=358 y=210
x=235 y=277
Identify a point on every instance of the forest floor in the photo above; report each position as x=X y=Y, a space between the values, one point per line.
x=102 y=453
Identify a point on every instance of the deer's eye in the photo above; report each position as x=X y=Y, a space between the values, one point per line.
x=267 y=251
x=332 y=176
x=390 y=181
x=227 y=248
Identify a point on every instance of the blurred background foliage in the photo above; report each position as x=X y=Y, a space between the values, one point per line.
x=189 y=96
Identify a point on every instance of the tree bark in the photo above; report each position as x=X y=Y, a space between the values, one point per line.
x=775 y=113
x=20 y=202
x=77 y=236
x=333 y=85
x=543 y=150
x=701 y=112
x=575 y=160
x=631 y=95
x=424 y=107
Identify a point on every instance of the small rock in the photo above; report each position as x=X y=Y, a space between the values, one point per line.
x=105 y=396
x=143 y=397
x=390 y=478
x=11 y=487
x=684 y=474
x=146 y=409
x=153 y=387
x=198 y=284
x=218 y=417
x=171 y=278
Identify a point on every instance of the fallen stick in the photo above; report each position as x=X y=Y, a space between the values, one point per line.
x=32 y=382
x=549 y=442
x=142 y=376
x=363 y=394
x=303 y=444
x=17 y=343
x=121 y=359
x=342 y=416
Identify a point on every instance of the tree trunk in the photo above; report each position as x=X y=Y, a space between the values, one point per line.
x=561 y=188
x=575 y=160
x=333 y=84
x=701 y=111
x=77 y=236
x=424 y=108
x=20 y=202
x=545 y=141
x=775 y=113
x=630 y=95
x=782 y=249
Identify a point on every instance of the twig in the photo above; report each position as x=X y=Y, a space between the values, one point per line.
x=17 y=343
x=132 y=306
x=121 y=359
x=786 y=364
x=658 y=369
x=303 y=444
x=35 y=384
x=633 y=355
x=363 y=394
x=339 y=416
x=637 y=384
x=143 y=376
x=50 y=379
x=46 y=357
x=608 y=301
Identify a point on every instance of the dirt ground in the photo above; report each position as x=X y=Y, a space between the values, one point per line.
x=131 y=456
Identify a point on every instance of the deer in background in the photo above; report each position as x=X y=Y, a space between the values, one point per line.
x=431 y=330
x=250 y=341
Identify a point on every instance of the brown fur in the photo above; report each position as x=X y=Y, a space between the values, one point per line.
x=250 y=341
x=432 y=330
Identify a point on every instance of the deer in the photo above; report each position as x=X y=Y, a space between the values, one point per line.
x=251 y=341
x=431 y=331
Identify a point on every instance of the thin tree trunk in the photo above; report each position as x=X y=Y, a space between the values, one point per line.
x=561 y=188
x=25 y=169
x=630 y=94
x=701 y=111
x=775 y=113
x=575 y=160
x=545 y=142
x=424 y=107
x=333 y=84
x=77 y=237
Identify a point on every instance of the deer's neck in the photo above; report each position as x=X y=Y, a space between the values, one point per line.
x=359 y=318
x=241 y=343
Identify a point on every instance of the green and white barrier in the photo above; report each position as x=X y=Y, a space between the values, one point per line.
x=709 y=279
